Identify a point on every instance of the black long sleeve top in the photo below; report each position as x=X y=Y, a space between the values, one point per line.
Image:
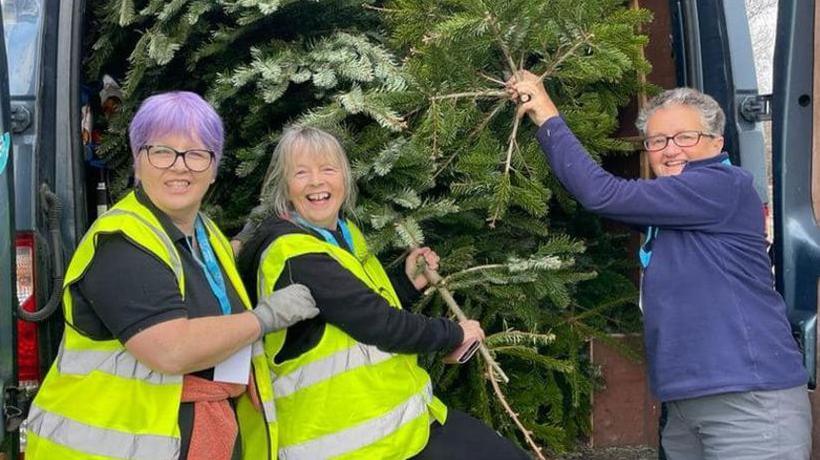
x=346 y=302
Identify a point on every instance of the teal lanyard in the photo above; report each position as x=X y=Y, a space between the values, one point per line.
x=645 y=253
x=326 y=233
x=210 y=267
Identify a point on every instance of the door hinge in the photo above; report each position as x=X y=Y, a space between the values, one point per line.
x=756 y=108
x=20 y=118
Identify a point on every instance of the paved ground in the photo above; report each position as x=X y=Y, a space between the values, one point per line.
x=613 y=453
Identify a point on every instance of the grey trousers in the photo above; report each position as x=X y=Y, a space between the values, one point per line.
x=751 y=425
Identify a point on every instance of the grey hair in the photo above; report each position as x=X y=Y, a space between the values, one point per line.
x=711 y=115
x=315 y=141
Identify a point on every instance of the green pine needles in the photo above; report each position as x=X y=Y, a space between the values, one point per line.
x=414 y=90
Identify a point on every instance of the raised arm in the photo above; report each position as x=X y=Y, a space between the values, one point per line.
x=699 y=199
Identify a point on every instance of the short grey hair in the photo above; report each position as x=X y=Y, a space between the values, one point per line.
x=711 y=115
x=315 y=141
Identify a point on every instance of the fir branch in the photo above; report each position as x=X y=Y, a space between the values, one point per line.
x=492 y=79
x=517 y=338
x=514 y=416
x=473 y=94
x=512 y=144
x=470 y=137
x=477 y=268
x=380 y=10
x=434 y=153
x=599 y=309
x=550 y=71
x=493 y=23
x=435 y=279
x=126 y=12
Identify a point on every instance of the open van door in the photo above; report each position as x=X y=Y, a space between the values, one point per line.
x=796 y=170
x=8 y=296
x=713 y=53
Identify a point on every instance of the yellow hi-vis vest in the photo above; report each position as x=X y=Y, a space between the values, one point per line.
x=343 y=398
x=99 y=402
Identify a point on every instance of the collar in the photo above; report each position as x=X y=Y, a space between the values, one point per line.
x=172 y=230
x=339 y=237
x=719 y=158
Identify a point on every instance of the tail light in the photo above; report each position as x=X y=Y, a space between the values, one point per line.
x=28 y=349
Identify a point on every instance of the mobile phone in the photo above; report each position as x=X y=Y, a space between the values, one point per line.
x=463 y=353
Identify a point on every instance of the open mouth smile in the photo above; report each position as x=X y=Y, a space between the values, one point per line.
x=318 y=197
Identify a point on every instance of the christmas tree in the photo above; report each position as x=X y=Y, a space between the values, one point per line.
x=414 y=89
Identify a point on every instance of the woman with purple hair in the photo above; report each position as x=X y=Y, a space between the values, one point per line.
x=160 y=357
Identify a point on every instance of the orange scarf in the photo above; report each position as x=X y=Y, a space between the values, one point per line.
x=215 y=428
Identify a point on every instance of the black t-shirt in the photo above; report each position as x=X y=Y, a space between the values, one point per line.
x=126 y=289
x=346 y=302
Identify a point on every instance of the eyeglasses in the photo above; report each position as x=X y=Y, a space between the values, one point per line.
x=163 y=157
x=681 y=139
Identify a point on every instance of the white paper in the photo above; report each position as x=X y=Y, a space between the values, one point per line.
x=235 y=369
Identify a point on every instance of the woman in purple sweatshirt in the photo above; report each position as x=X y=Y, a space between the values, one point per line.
x=719 y=346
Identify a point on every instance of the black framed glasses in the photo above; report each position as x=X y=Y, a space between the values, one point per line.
x=164 y=157
x=681 y=139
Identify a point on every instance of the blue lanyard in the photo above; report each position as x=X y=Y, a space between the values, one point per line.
x=211 y=267
x=645 y=253
x=326 y=233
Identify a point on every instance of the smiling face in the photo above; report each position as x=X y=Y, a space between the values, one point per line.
x=671 y=120
x=176 y=191
x=316 y=186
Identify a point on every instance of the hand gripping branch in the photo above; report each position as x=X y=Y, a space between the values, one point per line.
x=494 y=371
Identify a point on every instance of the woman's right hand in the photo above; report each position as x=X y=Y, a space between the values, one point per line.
x=284 y=308
x=472 y=331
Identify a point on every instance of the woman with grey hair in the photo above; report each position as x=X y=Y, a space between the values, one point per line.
x=719 y=346
x=156 y=360
x=347 y=382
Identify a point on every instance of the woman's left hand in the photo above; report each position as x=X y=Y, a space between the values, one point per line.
x=526 y=89
x=412 y=269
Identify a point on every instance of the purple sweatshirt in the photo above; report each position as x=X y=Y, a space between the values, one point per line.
x=713 y=322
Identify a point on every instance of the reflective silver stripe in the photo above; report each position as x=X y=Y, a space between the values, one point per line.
x=363 y=434
x=100 y=441
x=115 y=362
x=176 y=263
x=270 y=411
x=342 y=361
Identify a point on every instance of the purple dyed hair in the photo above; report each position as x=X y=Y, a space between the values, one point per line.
x=180 y=113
